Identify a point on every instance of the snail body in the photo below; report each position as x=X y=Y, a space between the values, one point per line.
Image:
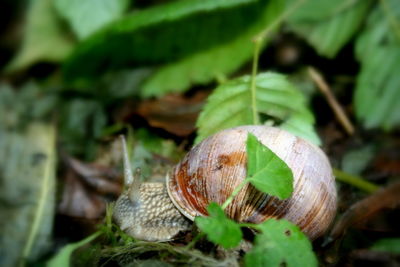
x=214 y=168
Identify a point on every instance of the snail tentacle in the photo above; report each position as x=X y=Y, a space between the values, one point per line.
x=131 y=182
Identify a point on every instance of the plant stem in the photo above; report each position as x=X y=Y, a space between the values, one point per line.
x=330 y=97
x=258 y=39
x=257 y=45
x=355 y=180
x=248 y=225
x=234 y=193
x=48 y=146
x=262 y=35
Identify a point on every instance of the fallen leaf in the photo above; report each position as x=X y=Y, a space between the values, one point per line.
x=102 y=179
x=78 y=200
x=176 y=114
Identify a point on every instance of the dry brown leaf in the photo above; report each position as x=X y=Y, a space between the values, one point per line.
x=87 y=187
x=78 y=201
x=102 y=179
x=176 y=114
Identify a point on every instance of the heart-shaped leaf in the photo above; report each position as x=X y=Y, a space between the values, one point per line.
x=266 y=171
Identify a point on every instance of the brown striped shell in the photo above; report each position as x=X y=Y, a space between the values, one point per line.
x=216 y=166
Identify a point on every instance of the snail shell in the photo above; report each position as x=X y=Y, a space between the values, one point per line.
x=215 y=167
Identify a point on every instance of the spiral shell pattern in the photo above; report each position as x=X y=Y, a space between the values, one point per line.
x=216 y=166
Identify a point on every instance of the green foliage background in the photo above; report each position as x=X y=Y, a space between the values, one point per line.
x=104 y=52
x=174 y=46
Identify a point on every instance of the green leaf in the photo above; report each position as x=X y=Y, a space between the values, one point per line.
x=155 y=144
x=302 y=124
x=329 y=25
x=377 y=92
x=161 y=34
x=266 y=171
x=230 y=105
x=43 y=38
x=281 y=243
x=315 y=11
x=120 y=84
x=63 y=257
x=27 y=178
x=379 y=32
x=219 y=228
x=391 y=245
x=87 y=16
x=206 y=65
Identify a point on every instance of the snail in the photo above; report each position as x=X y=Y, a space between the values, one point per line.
x=212 y=170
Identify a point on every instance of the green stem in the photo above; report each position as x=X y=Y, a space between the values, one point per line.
x=257 y=45
x=48 y=175
x=262 y=35
x=354 y=180
x=258 y=39
x=234 y=193
x=248 y=225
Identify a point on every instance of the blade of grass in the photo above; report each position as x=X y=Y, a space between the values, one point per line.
x=45 y=187
x=355 y=181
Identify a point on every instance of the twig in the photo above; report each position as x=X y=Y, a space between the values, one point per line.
x=333 y=103
x=355 y=181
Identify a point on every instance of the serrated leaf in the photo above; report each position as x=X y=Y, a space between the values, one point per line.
x=391 y=245
x=221 y=60
x=281 y=243
x=266 y=171
x=43 y=38
x=334 y=29
x=302 y=124
x=379 y=31
x=161 y=34
x=377 y=92
x=230 y=105
x=219 y=228
x=87 y=16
